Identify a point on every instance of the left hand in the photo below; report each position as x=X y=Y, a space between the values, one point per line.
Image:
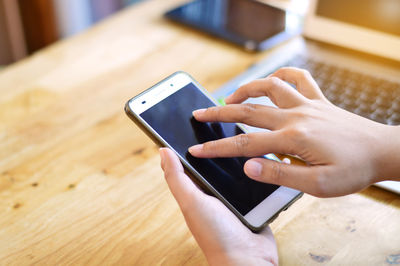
x=219 y=233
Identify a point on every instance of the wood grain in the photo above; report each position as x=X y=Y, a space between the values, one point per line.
x=81 y=184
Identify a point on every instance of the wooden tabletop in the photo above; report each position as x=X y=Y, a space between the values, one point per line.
x=81 y=184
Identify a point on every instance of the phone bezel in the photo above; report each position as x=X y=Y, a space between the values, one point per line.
x=262 y=214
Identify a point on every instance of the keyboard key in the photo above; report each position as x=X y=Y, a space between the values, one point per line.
x=365 y=95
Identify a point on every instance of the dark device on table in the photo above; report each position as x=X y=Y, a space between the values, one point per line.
x=164 y=112
x=248 y=23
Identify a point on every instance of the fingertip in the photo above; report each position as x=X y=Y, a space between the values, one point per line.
x=196 y=149
x=236 y=96
x=253 y=169
x=170 y=162
x=198 y=113
x=166 y=163
x=228 y=99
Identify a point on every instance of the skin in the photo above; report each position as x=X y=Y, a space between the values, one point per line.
x=219 y=233
x=343 y=152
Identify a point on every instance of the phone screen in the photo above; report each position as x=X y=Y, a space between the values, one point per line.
x=172 y=119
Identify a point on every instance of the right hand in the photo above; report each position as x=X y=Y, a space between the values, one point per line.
x=344 y=152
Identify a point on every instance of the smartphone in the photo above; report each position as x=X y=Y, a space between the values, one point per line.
x=164 y=112
x=251 y=24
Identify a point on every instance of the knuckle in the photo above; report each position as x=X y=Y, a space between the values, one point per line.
x=275 y=82
x=275 y=86
x=296 y=138
x=299 y=114
x=247 y=112
x=321 y=186
x=241 y=143
x=211 y=147
x=304 y=73
x=275 y=173
x=215 y=112
x=298 y=133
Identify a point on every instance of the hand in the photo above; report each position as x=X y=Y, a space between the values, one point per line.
x=219 y=233
x=344 y=152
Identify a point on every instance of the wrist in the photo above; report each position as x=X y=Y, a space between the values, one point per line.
x=388 y=155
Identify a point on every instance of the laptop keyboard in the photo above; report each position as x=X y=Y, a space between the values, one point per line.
x=374 y=98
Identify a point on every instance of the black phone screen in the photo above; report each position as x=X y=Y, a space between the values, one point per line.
x=172 y=119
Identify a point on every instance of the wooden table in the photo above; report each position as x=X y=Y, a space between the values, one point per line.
x=81 y=184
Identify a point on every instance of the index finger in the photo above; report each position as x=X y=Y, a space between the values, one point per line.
x=250 y=114
x=243 y=145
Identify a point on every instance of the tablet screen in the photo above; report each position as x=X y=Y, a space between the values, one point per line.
x=245 y=22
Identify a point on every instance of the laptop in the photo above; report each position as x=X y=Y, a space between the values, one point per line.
x=352 y=49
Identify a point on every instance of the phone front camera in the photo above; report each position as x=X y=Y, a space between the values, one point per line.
x=143 y=102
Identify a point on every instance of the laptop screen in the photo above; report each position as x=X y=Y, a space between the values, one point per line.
x=380 y=15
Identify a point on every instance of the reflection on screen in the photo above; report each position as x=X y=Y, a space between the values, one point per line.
x=381 y=15
x=172 y=119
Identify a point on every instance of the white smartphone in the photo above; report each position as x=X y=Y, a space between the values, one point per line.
x=164 y=112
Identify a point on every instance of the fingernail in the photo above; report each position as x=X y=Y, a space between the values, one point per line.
x=196 y=149
x=253 y=168
x=198 y=112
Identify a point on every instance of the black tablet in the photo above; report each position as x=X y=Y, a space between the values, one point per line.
x=249 y=23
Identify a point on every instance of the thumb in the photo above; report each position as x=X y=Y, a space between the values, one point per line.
x=183 y=189
x=303 y=178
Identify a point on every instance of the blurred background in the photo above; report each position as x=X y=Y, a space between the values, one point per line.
x=29 y=25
